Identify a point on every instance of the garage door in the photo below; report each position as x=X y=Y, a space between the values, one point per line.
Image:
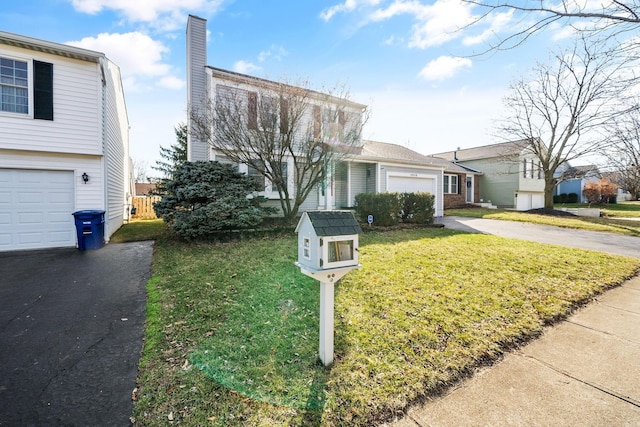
x=35 y=209
x=411 y=184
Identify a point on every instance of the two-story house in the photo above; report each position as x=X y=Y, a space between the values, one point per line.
x=64 y=142
x=511 y=177
x=368 y=166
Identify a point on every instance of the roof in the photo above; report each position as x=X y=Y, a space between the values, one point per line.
x=270 y=84
x=333 y=223
x=486 y=151
x=374 y=150
x=49 y=47
x=580 y=171
x=143 y=188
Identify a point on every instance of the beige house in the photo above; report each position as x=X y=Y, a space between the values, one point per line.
x=511 y=177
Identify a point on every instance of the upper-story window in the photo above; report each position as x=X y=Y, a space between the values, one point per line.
x=14 y=86
x=450 y=184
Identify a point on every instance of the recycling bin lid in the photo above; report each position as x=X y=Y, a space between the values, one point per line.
x=89 y=212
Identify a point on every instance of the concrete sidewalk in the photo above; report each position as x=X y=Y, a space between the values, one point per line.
x=582 y=372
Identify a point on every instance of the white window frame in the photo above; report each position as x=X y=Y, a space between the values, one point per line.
x=29 y=87
x=447 y=179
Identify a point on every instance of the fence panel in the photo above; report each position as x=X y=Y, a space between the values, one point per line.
x=144 y=207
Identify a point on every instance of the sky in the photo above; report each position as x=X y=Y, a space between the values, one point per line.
x=412 y=62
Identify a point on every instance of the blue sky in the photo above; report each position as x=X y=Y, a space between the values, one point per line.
x=403 y=58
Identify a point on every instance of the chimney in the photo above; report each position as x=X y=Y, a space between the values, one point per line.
x=196 y=82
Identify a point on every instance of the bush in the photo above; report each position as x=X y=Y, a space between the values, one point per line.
x=417 y=208
x=572 y=198
x=385 y=208
x=203 y=198
x=390 y=208
x=561 y=198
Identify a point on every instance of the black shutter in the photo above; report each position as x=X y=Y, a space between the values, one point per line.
x=42 y=90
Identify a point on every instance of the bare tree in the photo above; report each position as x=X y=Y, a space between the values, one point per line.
x=615 y=16
x=140 y=170
x=272 y=126
x=561 y=108
x=624 y=157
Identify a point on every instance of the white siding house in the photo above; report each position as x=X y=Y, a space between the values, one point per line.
x=368 y=167
x=62 y=115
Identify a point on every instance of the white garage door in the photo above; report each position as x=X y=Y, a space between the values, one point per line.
x=36 y=209
x=411 y=184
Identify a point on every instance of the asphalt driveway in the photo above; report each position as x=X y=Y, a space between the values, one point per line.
x=71 y=333
x=616 y=244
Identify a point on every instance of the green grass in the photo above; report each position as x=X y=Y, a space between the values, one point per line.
x=611 y=225
x=140 y=229
x=232 y=329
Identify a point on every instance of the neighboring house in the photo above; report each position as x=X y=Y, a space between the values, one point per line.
x=380 y=167
x=511 y=176
x=572 y=179
x=369 y=167
x=64 y=142
x=144 y=188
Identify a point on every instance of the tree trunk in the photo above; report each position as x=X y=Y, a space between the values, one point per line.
x=549 y=185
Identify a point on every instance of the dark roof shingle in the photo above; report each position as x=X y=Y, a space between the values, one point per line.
x=334 y=223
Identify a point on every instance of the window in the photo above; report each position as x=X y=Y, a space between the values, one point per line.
x=256 y=175
x=14 y=88
x=540 y=174
x=284 y=177
x=341 y=250
x=524 y=168
x=306 y=248
x=451 y=184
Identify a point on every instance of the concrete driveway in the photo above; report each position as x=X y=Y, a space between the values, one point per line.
x=604 y=242
x=71 y=332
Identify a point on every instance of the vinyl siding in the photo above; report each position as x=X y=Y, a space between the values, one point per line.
x=76 y=103
x=196 y=79
x=499 y=181
x=116 y=150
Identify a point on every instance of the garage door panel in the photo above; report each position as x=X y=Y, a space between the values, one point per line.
x=30 y=197
x=37 y=209
x=30 y=218
x=410 y=184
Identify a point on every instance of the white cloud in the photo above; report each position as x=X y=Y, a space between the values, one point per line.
x=347 y=6
x=497 y=22
x=245 y=67
x=166 y=15
x=276 y=52
x=435 y=23
x=138 y=56
x=172 y=82
x=444 y=67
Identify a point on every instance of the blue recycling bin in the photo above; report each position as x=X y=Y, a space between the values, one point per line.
x=89 y=229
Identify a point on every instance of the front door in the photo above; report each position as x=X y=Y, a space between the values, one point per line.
x=469 y=189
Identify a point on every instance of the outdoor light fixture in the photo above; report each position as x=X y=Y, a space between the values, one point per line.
x=85 y=177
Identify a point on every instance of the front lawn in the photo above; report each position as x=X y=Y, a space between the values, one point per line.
x=611 y=225
x=232 y=328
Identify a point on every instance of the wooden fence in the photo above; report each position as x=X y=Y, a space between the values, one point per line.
x=144 y=207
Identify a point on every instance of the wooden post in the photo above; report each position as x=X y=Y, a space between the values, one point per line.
x=326 y=322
